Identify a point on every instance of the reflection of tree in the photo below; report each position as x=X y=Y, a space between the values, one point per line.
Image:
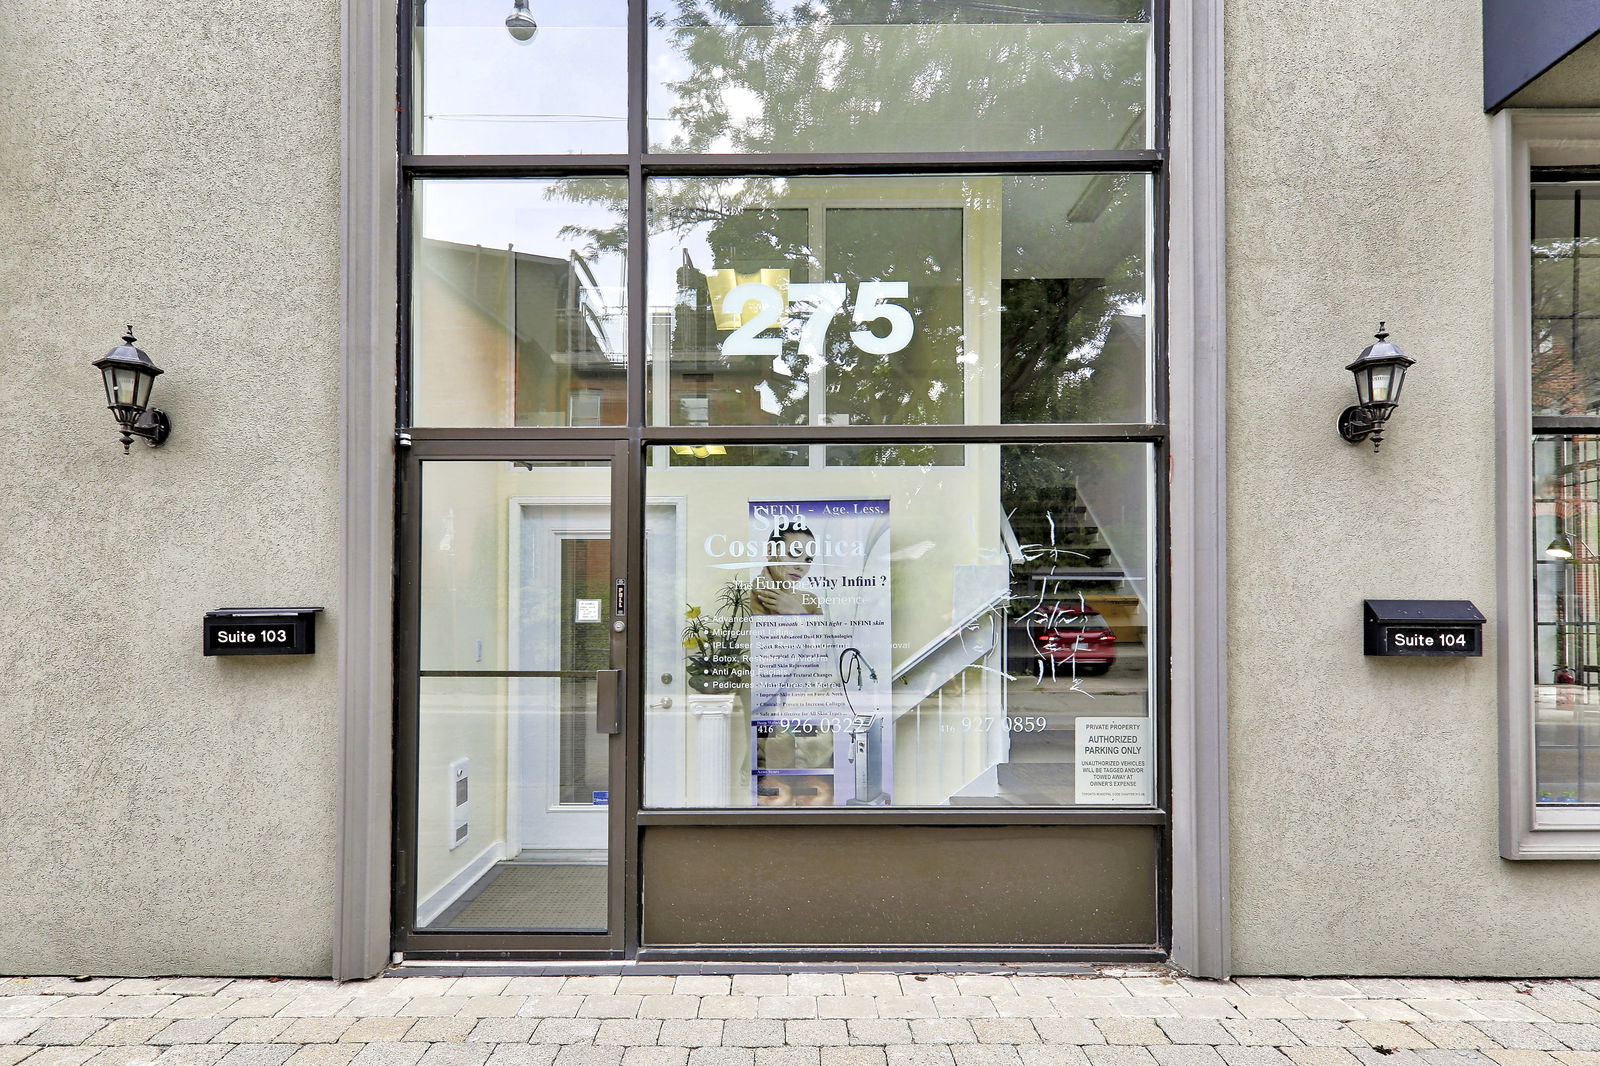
x=762 y=76
x=1059 y=361
x=1566 y=343
x=886 y=75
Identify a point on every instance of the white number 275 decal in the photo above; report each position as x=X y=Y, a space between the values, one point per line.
x=820 y=303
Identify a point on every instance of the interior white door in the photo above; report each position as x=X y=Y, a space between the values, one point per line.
x=561 y=616
x=562 y=788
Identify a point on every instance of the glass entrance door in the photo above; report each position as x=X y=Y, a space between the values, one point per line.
x=514 y=709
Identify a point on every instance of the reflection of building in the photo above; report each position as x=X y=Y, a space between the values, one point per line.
x=548 y=341
x=546 y=338
x=711 y=385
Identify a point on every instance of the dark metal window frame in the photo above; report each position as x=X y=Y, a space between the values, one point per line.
x=423 y=444
x=1547 y=178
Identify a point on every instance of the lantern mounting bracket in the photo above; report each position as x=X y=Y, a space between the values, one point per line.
x=153 y=426
x=1356 y=424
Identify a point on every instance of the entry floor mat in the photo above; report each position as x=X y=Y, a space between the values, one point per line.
x=535 y=898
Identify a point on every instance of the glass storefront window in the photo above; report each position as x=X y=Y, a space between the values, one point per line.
x=1566 y=573
x=1566 y=299
x=482 y=91
x=975 y=633
x=899 y=300
x=886 y=76
x=778 y=479
x=519 y=303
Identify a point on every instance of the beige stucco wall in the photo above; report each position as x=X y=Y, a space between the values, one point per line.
x=1363 y=791
x=1573 y=82
x=176 y=166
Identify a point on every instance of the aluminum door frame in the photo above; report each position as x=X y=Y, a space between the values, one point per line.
x=622 y=916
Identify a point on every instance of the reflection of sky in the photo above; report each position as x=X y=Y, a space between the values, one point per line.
x=566 y=90
x=484 y=93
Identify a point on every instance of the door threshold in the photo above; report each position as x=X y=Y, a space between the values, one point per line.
x=501 y=967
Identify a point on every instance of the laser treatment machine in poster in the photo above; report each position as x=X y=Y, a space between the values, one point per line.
x=820 y=653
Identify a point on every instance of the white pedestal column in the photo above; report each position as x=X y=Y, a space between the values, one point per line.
x=712 y=743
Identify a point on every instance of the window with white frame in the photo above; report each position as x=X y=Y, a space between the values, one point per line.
x=1550 y=473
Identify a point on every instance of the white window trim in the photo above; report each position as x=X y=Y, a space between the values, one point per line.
x=1527 y=831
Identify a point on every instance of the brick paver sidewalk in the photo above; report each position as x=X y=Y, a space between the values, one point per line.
x=805 y=1019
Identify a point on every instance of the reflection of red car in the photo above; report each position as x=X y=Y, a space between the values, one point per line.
x=1077 y=640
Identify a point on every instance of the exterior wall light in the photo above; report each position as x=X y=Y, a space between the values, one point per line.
x=520 y=23
x=1380 y=370
x=129 y=374
x=1560 y=548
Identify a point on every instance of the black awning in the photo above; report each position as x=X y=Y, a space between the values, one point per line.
x=1524 y=38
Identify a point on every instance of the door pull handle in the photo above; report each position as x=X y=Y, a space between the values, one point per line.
x=608 y=701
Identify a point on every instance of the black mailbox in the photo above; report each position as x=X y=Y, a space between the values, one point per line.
x=261 y=631
x=1423 y=627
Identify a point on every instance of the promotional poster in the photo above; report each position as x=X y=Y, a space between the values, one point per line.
x=820 y=651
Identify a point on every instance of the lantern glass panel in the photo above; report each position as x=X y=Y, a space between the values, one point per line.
x=1364 y=385
x=1397 y=379
x=124 y=382
x=143 y=382
x=1380 y=384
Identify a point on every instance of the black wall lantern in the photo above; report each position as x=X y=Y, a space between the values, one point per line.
x=129 y=374
x=1380 y=370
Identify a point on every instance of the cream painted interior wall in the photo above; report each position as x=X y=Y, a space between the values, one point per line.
x=465 y=551
x=177 y=167
x=472 y=541
x=1363 y=793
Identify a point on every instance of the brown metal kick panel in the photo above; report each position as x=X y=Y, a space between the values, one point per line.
x=894 y=885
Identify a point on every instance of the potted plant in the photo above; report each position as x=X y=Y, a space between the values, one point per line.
x=717 y=646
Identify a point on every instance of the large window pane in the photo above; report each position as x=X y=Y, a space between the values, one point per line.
x=973 y=632
x=897 y=76
x=519 y=297
x=1566 y=531
x=482 y=90
x=1566 y=299
x=899 y=300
